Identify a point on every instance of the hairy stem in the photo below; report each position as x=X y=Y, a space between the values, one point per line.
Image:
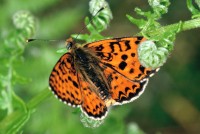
x=187 y=25
x=191 y=24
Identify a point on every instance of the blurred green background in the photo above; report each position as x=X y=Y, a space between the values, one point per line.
x=171 y=102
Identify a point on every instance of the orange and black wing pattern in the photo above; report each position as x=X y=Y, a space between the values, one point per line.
x=63 y=81
x=122 y=90
x=92 y=105
x=100 y=74
x=121 y=55
x=71 y=88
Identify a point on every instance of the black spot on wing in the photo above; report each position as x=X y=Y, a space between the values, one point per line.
x=124 y=57
x=126 y=89
x=122 y=65
x=142 y=69
x=127 y=44
x=76 y=92
x=75 y=84
x=131 y=71
x=140 y=37
x=137 y=42
x=69 y=78
x=99 y=48
x=112 y=46
x=133 y=54
x=105 y=56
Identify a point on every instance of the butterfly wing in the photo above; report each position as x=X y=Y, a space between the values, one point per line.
x=93 y=106
x=121 y=55
x=122 y=89
x=63 y=81
x=125 y=75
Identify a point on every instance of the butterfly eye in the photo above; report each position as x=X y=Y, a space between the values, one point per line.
x=69 y=45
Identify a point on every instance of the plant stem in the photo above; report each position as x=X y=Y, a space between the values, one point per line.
x=9 y=86
x=14 y=121
x=191 y=24
x=35 y=101
x=187 y=25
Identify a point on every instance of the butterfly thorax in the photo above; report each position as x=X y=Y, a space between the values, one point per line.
x=88 y=66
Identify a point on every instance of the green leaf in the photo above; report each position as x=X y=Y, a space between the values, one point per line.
x=139 y=22
x=195 y=12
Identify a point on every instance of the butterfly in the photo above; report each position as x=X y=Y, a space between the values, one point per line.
x=100 y=74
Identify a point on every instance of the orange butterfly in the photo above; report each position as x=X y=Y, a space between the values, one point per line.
x=100 y=74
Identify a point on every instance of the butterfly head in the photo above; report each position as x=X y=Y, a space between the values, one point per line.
x=70 y=43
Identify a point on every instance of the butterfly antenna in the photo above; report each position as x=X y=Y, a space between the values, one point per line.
x=45 y=40
x=90 y=21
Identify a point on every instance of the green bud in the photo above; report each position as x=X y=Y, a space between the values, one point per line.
x=103 y=18
x=152 y=56
x=88 y=122
x=22 y=19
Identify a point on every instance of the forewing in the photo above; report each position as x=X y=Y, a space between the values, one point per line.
x=63 y=81
x=121 y=55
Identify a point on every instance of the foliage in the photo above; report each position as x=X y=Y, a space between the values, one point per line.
x=101 y=19
x=11 y=53
x=17 y=80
